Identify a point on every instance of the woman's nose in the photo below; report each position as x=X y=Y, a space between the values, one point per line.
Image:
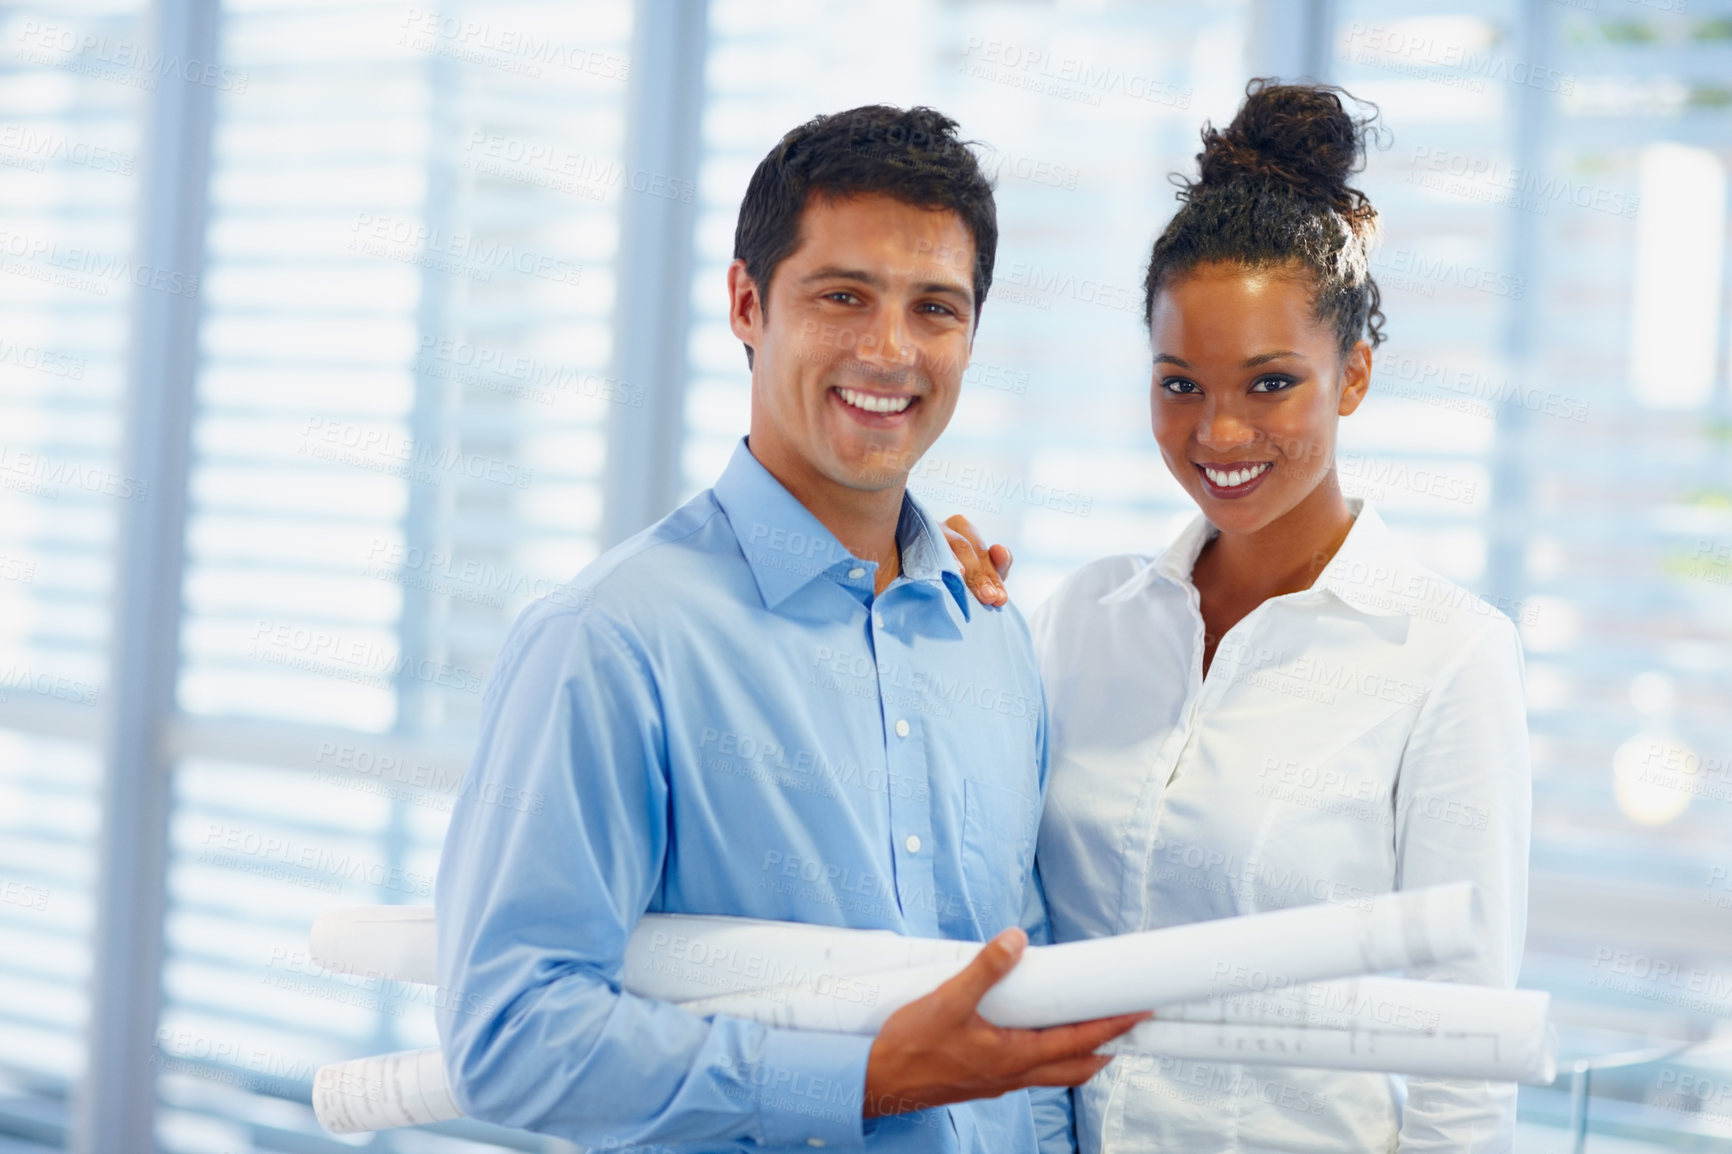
x=1221 y=429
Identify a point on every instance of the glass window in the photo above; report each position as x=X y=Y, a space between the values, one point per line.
x=71 y=94
x=1080 y=119
x=402 y=401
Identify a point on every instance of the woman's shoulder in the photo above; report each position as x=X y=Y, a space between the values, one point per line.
x=1097 y=579
x=1080 y=601
x=1388 y=578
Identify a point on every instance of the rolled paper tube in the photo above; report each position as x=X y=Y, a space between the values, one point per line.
x=674 y=957
x=824 y=978
x=408 y=1088
x=679 y=958
x=1387 y=1024
x=1130 y=973
x=1377 y=1003
x=393 y=942
x=1522 y=1053
x=1500 y=1056
x=1099 y=977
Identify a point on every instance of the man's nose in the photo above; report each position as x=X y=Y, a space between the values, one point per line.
x=886 y=342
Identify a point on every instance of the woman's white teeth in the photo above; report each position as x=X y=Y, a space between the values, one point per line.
x=875 y=404
x=1233 y=478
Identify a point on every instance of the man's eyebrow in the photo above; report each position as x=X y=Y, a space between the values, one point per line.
x=946 y=286
x=873 y=280
x=837 y=272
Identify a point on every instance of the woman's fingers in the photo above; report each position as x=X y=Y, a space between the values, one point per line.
x=978 y=570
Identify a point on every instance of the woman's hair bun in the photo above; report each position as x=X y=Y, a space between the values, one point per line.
x=1301 y=135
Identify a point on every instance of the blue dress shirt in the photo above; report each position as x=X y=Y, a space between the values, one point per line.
x=719 y=717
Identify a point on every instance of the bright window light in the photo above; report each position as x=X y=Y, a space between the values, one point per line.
x=1680 y=238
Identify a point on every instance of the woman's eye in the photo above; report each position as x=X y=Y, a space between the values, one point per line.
x=1179 y=385
x=1272 y=384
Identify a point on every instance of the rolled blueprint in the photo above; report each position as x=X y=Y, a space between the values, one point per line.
x=1385 y=1025
x=805 y=976
x=1129 y=973
x=391 y=942
x=1234 y=989
x=408 y=1088
x=1434 y=1029
x=679 y=957
x=1479 y=1057
x=674 y=957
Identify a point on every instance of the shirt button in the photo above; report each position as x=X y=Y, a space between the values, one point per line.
x=878 y=620
x=913 y=843
x=854 y=574
x=901 y=728
x=814 y=1141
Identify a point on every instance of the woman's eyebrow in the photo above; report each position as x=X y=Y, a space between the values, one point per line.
x=1265 y=358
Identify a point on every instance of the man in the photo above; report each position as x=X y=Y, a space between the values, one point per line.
x=771 y=704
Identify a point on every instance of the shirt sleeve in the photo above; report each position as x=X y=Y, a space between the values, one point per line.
x=1463 y=813
x=555 y=849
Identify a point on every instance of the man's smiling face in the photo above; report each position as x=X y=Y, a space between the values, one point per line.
x=859 y=351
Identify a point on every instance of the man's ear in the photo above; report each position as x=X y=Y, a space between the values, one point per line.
x=745 y=306
x=1355 y=377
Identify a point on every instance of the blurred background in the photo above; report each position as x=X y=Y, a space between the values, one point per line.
x=333 y=332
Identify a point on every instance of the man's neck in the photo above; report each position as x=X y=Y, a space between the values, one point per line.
x=863 y=520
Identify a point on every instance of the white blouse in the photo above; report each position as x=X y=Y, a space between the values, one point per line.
x=1364 y=735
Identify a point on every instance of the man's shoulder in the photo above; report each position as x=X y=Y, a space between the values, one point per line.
x=673 y=561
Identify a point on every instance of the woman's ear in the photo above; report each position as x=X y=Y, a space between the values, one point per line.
x=1355 y=377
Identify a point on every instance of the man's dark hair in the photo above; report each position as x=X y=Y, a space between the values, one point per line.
x=910 y=154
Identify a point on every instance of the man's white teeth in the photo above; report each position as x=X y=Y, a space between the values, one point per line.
x=1233 y=478
x=874 y=404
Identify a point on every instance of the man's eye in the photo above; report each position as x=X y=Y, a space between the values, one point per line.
x=1179 y=385
x=1272 y=384
x=842 y=296
x=941 y=310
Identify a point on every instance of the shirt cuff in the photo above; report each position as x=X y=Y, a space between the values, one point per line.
x=813 y=1088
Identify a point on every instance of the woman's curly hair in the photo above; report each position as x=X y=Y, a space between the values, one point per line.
x=1271 y=190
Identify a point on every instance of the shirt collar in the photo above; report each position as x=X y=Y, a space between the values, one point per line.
x=926 y=553
x=1363 y=572
x=1174 y=563
x=1371 y=571
x=787 y=547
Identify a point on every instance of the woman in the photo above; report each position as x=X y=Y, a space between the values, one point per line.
x=1283 y=707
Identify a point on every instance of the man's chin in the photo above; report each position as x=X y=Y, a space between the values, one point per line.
x=874 y=467
x=868 y=480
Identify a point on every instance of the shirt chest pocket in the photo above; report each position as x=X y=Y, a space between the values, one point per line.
x=997 y=847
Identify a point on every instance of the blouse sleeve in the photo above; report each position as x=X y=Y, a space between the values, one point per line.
x=1463 y=805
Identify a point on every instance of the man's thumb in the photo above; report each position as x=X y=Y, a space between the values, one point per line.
x=996 y=959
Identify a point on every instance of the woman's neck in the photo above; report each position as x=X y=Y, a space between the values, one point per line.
x=1285 y=556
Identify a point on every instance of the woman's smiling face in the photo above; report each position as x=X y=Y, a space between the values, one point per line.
x=1247 y=391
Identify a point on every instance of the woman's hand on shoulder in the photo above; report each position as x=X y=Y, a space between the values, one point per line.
x=984 y=568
